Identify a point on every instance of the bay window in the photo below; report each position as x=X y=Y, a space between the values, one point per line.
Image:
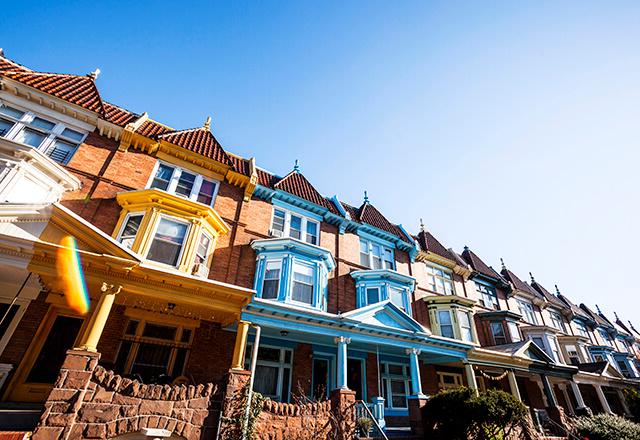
x=451 y=317
x=556 y=320
x=168 y=241
x=397 y=297
x=273 y=372
x=130 y=229
x=376 y=256
x=464 y=319
x=303 y=277
x=440 y=280
x=184 y=183
x=53 y=138
x=289 y=224
x=488 y=296
x=527 y=312
x=203 y=251
x=271 y=284
x=373 y=295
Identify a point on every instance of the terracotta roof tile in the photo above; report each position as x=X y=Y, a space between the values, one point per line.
x=267 y=179
x=518 y=283
x=118 y=115
x=429 y=243
x=151 y=128
x=240 y=164
x=298 y=185
x=479 y=266
x=7 y=65
x=553 y=299
x=199 y=140
x=368 y=214
x=78 y=90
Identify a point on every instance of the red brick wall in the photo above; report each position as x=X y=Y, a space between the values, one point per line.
x=302 y=370
x=211 y=353
x=25 y=332
x=112 y=335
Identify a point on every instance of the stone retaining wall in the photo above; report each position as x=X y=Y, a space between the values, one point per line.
x=89 y=402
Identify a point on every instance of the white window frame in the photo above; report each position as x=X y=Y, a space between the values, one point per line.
x=175 y=177
x=457 y=379
x=582 y=329
x=556 y=320
x=313 y=283
x=281 y=365
x=514 y=331
x=492 y=326
x=383 y=253
x=207 y=257
x=182 y=247
x=405 y=377
x=432 y=275
x=50 y=136
x=604 y=335
x=278 y=263
x=286 y=232
x=570 y=349
x=483 y=291
x=526 y=307
x=124 y=224
x=366 y=294
x=22 y=305
x=469 y=316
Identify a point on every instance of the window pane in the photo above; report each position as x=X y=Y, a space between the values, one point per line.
x=72 y=134
x=159 y=331
x=42 y=123
x=312 y=232
x=397 y=298
x=373 y=295
x=269 y=354
x=12 y=112
x=302 y=292
x=61 y=151
x=186 y=335
x=30 y=137
x=163 y=177
x=266 y=380
x=130 y=230
x=205 y=195
x=151 y=362
x=396 y=369
x=270 y=288
x=296 y=227
x=444 y=317
x=185 y=184
x=278 y=220
x=202 y=252
x=5 y=126
x=132 y=327
x=167 y=243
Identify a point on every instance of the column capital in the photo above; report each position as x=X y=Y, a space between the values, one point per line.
x=415 y=351
x=341 y=339
x=110 y=289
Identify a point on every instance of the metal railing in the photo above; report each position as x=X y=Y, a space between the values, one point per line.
x=363 y=411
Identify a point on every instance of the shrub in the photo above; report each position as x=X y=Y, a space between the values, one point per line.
x=364 y=424
x=498 y=415
x=448 y=415
x=607 y=427
x=632 y=397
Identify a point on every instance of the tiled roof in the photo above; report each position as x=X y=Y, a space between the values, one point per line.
x=151 y=128
x=117 y=115
x=78 y=90
x=199 y=140
x=369 y=214
x=599 y=319
x=7 y=65
x=266 y=179
x=428 y=243
x=574 y=308
x=478 y=265
x=240 y=164
x=517 y=282
x=298 y=185
x=550 y=297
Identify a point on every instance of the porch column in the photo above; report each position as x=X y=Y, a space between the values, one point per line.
x=623 y=401
x=548 y=391
x=341 y=380
x=414 y=366
x=603 y=399
x=471 y=377
x=513 y=384
x=237 y=362
x=577 y=394
x=93 y=330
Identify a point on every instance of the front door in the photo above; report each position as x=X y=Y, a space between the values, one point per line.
x=355 y=376
x=37 y=373
x=320 y=386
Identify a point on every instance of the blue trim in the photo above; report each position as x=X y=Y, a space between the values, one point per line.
x=297 y=210
x=384 y=280
x=274 y=342
x=394 y=359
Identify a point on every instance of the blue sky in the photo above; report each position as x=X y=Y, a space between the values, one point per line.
x=511 y=127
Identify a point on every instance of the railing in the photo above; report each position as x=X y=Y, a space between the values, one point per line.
x=545 y=423
x=363 y=411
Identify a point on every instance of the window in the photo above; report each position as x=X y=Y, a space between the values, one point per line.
x=168 y=241
x=446 y=325
x=448 y=381
x=582 y=329
x=497 y=330
x=464 y=318
x=598 y=358
x=572 y=354
x=440 y=280
x=396 y=385
x=526 y=310
x=271 y=284
x=555 y=351
x=130 y=229
x=273 y=372
x=187 y=184
x=606 y=338
x=514 y=332
x=488 y=296
x=556 y=320
x=539 y=342
x=201 y=260
x=7 y=313
x=397 y=297
x=156 y=353
x=376 y=256
x=52 y=138
x=373 y=295
x=302 y=284
x=288 y=224
x=623 y=367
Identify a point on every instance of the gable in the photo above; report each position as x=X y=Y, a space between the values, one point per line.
x=385 y=315
x=532 y=351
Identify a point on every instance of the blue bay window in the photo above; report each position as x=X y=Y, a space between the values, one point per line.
x=373 y=286
x=292 y=271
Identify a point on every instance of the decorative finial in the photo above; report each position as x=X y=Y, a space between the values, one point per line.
x=598 y=309
x=1 y=52
x=466 y=248
x=366 y=197
x=94 y=75
x=557 y=290
x=616 y=315
x=533 y=280
x=504 y=267
x=207 y=123
x=421 y=226
x=296 y=166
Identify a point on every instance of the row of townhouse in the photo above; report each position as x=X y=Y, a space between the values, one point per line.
x=187 y=248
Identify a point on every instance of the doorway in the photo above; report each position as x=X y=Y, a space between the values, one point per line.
x=355 y=376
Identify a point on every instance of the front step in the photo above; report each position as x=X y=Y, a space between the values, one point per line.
x=19 y=417
x=400 y=433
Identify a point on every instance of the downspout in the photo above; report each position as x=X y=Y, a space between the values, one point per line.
x=254 y=360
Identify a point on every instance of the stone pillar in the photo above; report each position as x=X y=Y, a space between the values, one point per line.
x=341 y=379
x=237 y=362
x=93 y=330
x=513 y=384
x=548 y=392
x=578 y=395
x=343 y=407
x=471 y=377
x=414 y=366
x=603 y=399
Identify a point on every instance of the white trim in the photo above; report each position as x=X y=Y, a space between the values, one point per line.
x=175 y=177
x=124 y=224
x=304 y=220
x=182 y=246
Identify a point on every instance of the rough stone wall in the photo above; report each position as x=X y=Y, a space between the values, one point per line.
x=89 y=402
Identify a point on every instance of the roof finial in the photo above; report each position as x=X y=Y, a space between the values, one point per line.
x=616 y=315
x=1 y=52
x=366 y=197
x=94 y=75
x=421 y=225
x=598 y=309
x=466 y=248
x=533 y=280
x=296 y=166
x=557 y=290
x=504 y=267
x=207 y=123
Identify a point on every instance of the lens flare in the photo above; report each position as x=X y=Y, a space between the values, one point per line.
x=70 y=272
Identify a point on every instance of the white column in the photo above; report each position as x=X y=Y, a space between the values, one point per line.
x=623 y=401
x=471 y=377
x=603 y=399
x=577 y=394
x=513 y=384
x=548 y=391
x=414 y=366
x=341 y=380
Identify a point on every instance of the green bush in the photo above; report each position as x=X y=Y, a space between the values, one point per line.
x=632 y=396
x=460 y=415
x=607 y=427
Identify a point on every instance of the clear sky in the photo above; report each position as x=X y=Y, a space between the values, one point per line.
x=509 y=127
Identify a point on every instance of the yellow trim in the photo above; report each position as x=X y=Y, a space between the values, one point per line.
x=149 y=316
